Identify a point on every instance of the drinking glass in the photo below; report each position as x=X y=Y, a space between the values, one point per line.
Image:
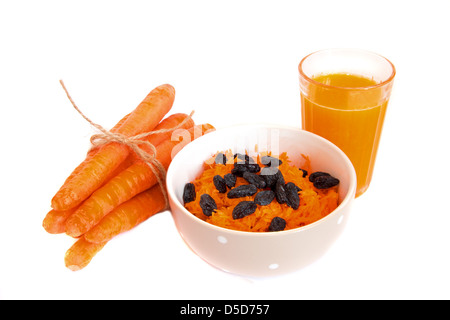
x=344 y=97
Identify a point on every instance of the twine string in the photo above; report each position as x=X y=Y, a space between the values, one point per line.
x=134 y=143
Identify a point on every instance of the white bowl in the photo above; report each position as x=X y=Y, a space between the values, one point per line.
x=264 y=253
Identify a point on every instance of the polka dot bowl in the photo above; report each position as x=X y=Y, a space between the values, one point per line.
x=261 y=254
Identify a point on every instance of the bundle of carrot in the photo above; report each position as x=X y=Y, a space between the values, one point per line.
x=115 y=189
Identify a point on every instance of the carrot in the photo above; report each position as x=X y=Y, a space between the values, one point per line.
x=128 y=183
x=128 y=215
x=95 y=171
x=150 y=111
x=81 y=253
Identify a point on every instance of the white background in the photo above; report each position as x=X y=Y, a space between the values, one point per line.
x=231 y=62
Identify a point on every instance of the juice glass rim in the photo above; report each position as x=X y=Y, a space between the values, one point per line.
x=317 y=83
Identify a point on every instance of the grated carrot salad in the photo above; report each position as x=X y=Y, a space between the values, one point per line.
x=314 y=203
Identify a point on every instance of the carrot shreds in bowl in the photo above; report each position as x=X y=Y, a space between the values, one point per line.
x=298 y=202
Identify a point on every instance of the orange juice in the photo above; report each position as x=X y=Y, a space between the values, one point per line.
x=348 y=110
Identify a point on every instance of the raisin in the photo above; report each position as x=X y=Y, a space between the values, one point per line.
x=220 y=158
x=263 y=198
x=316 y=174
x=270 y=161
x=243 y=209
x=325 y=182
x=244 y=190
x=280 y=192
x=271 y=175
x=255 y=179
x=230 y=180
x=305 y=173
x=277 y=224
x=280 y=177
x=293 y=199
x=253 y=167
x=238 y=171
x=207 y=204
x=188 y=193
x=240 y=168
x=220 y=184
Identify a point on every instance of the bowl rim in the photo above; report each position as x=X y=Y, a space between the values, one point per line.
x=349 y=197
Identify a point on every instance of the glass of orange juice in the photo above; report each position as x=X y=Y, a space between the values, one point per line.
x=344 y=96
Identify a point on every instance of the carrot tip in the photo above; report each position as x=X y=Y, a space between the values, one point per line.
x=52 y=230
x=73 y=267
x=73 y=233
x=73 y=230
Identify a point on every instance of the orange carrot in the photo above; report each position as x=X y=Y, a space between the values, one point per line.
x=95 y=171
x=128 y=183
x=81 y=253
x=128 y=215
x=150 y=111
